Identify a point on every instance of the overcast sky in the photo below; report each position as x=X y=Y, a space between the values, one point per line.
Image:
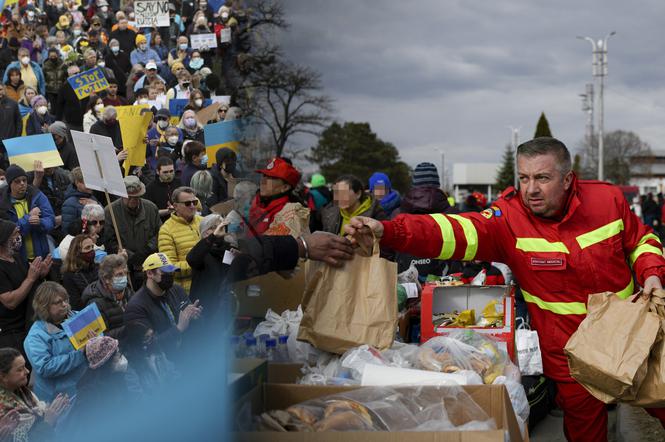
x=431 y=74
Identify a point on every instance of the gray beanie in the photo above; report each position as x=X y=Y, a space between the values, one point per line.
x=58 y=128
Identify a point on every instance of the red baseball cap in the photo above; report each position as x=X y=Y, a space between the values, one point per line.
x=279 y=168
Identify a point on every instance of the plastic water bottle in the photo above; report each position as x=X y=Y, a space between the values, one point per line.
x=261 y=346
x=282 y=349
x=250 y=348
x=271 y=349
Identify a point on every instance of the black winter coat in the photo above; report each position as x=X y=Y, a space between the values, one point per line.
x=76 y=282
x=113 y=132
x=55 y=194
x=112 y=310
x=68 y=107
x=11 y=124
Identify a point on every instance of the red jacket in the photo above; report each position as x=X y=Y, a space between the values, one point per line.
x=557 y=263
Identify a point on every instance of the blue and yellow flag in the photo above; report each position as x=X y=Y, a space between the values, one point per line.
x=222 y=134
x=25 y=150
x=79 y=326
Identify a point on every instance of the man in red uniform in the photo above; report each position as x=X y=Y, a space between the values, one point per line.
x=563 y=239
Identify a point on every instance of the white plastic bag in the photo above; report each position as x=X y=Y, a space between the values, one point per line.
x=529 y=357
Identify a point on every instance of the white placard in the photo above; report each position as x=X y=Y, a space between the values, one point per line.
x=102 y=175
x=200 y=41
x=223 y=99
x=151 y=13
x=225 y=35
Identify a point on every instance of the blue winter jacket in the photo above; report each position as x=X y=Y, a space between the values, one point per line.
x=38 y=233
x=56 y=366
x=71 y=208
x=41 y=80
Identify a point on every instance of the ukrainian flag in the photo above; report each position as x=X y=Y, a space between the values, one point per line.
x=81 y=324
x=25 y=150
x=222 y=134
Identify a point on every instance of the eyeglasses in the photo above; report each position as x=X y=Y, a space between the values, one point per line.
x=189 y=203
x=94 y=222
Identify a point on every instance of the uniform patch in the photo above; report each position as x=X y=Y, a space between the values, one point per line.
x=487 y=213
x=497 y=211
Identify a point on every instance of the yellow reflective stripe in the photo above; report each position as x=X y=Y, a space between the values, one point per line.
x=600 y=234
x=447 y=236
x=644 y=248
x=471 y=235
x=540 y=245
x=647 y=237
x=628 y=291
x=560 y=308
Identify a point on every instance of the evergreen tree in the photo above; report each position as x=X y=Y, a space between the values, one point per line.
x=543 y=127
x=506 y=176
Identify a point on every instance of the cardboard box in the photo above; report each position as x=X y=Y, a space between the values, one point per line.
x=435 y=299
x=493 y=399
x=246 y=380
x=257 y=295
x=284 y=373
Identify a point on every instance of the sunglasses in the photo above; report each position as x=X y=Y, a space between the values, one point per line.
x=95 y=222
x=189 y=203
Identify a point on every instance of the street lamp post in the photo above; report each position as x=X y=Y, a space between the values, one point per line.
x=599 y=70
x=515 y=141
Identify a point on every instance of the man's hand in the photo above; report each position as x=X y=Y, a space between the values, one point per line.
x=329 y=248
x=192 y=311
x=650 y=284
x=39 y=173
x=36 y=211
x=86 y=201
x=122 y=155
x=35 y=269
x=45 y=266
x=360 y=229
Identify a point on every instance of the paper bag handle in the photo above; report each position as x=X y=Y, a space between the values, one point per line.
x=375 y=246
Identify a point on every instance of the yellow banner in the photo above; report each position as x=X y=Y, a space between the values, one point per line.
x=134 y=122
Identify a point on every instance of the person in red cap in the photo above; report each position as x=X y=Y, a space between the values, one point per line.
x=275 y=199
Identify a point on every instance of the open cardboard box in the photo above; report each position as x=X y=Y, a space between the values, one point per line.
x=271 y=290
x=281 y=393
x=442 y=299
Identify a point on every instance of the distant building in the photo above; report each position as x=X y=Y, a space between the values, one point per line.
x=648 y=172
x=469 y=177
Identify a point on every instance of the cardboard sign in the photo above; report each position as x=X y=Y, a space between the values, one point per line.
x=24 y=151
x=203 y=41
x=225 y=35
x=222 y=134
x=207 y=113
x=99 y=164
x=79 y=326
x=88 y=82
x=177 y=105
x=134 y=122
x=151 y=13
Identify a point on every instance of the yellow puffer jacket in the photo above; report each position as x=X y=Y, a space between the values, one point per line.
x=176 y=239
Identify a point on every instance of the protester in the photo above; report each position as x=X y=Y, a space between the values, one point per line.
x=278 y=181
x=112 y=97
x=34 y=420
x=222 y=172
x=18 y=280
x=53 y=182
x=55 y=74
x=138 y=223
x=68 y=107
x=125 y=36
x=350 y=200
x=195 y=101
x=161 y=189
x=108 y=126
x=93 y=112
x=14 y=84
x=382 y=191
x=520 y=226
x=170 y=145
x=76 y=197
x=79 y=269
x=29 y=208
x=40 y=119
x=111 y=292
x=195 y=159
x=28 y=94
x=202 y=183
x=162 y=305
x=318 y=196
x=118 y=61
x=11 y=123
x=183 y=89
x=57 y=366
x=180 y=233
x=190 y=127
x=143 y=54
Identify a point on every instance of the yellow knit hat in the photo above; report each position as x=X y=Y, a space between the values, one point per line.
x=140 y=38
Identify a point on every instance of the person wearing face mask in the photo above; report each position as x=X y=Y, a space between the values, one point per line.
x=109 y=127
x=222 y=172
x=18 y=280
x=183 y=89
x=65 y=147
x=190 y=126
x=40 y=119
x=118 y=61
x=77 y=196
x=170 y=145
x=79 y=269
x=196 y=62
x=93 y=112
x=180 y=52
x=144 y=54
x=111 y=292
x=195 y=101
x=157 y=135
x=54 y=74
x=160 y=190
x=195 y=159
x=162 y=305
x=31 y=72
x=138 y=223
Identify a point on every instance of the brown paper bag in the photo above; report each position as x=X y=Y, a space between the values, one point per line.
x=608 y=353
x=350 y=306
x=652 y=390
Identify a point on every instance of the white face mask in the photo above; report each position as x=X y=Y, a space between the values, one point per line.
x=76 y=32
x=142 y=46
x=101 y=64
x=99 y=107
x=115 y=49
x=163 y=124
x=120 y=364
x=104 y=8
x=3 y=183
x=25 y=60
x=41 y=110
x=198 y=102
x=225 y=15
x=143 y=101
x=172 y=140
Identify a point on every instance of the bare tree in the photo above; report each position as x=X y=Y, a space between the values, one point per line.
x=625 y=155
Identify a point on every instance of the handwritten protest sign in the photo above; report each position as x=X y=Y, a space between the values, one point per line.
x=88 y=82
x=134 y=121
x=203 y=41
x=24 y=151
x=79 y=326
x=151 y=13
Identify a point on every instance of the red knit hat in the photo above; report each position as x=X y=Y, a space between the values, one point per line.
x=279 y=168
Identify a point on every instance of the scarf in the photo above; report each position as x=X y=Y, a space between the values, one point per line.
x=26 y=404
x=262 y=213
x=346 y=216
x=390 y=202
